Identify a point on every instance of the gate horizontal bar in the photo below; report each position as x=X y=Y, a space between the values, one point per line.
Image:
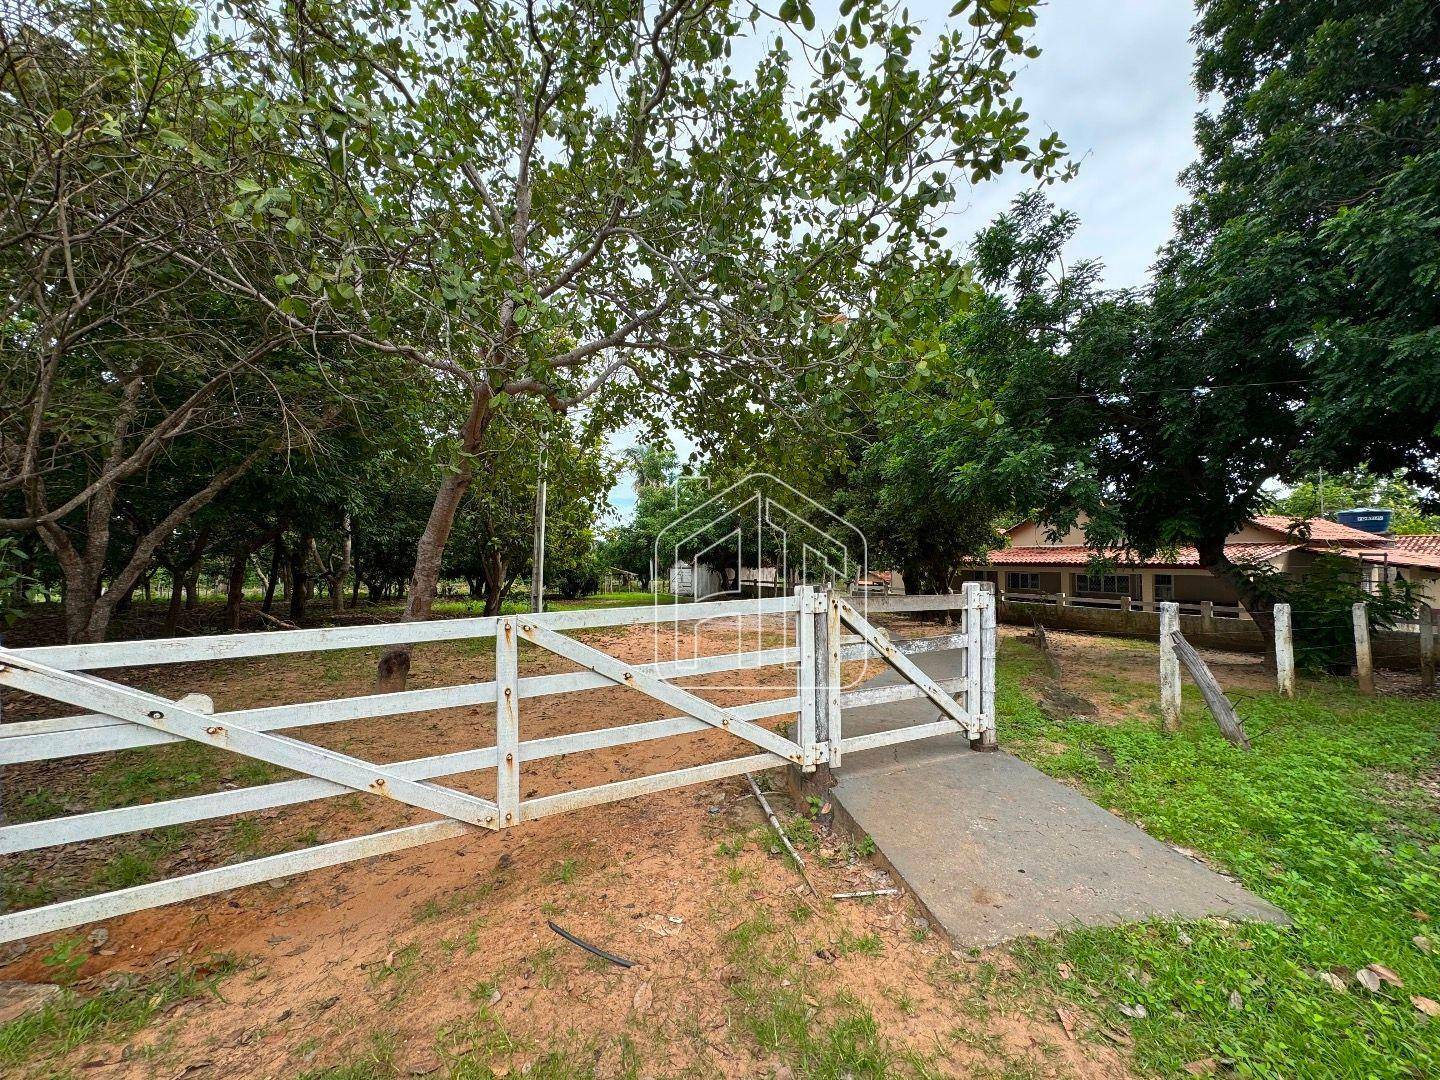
x=31 y=835
x=86 y=909
x=112 y=654
x=559 y=803
x=157 y=712
x=884 y=695
x=900 y=735
x=35 y=740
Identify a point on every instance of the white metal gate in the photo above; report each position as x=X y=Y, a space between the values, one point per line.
x=118 y=717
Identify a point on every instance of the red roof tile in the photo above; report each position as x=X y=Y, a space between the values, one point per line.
x=1320 y=530
x=1424 y=543
x=1056 y=555
x=1420 y=556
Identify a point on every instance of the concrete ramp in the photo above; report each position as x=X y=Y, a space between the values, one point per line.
x=995 y=849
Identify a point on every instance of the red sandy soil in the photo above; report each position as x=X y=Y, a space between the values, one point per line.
x=439 y=958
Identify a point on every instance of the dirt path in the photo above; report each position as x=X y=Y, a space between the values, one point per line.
x=439 y=960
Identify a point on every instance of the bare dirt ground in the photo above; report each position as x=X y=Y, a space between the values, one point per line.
x=439 y=961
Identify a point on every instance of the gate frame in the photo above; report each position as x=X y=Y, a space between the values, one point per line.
x=125 y=717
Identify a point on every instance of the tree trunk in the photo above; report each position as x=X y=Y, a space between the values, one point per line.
x=192 y=588
x=337 y=580
x=299 y=588
x=394 y=668
x=177 y=595
x=355 y=588
x=235 y=587
x=277 y=553
x=1258 y=602
x=493 y=566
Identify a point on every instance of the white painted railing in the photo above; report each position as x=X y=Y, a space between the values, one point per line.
x=117 y=717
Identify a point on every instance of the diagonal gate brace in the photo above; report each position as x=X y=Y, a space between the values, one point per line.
x=908 y=668
x=624 y=674
x=153 y=711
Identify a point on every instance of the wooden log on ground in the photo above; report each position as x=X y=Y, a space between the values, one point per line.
x=1043 y=644
x=1364 y=662
x=1215 y=699
x=1169 y=668
x=1284 y=650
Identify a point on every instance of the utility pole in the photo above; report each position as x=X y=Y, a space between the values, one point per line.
x=537 y=551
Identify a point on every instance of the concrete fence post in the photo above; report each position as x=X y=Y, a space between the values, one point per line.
x=1284 y=650
x=1427 y=647
x=1364 y=662
x=1207 y=616
x=1169 y=668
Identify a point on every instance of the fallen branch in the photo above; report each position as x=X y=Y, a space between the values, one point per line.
x=1220 y=707
x=775 y=824
x=865 y=893
x=278 y=622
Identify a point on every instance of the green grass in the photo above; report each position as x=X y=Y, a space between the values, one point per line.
x=72 y=1020
x=1323 y=819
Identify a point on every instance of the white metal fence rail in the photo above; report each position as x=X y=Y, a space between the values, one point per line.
x=118 y=717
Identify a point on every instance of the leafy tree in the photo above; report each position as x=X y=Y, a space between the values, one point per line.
x=492 y=547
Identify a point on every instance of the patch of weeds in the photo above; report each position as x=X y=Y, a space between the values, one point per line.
x=801 y=912
x=864 y=945
x=251 y=772
x=801 y=832
x=401 y=968
x=38 y=805
x=377 y=1063
x=126 y=869
x=246 y=836
x=562 y=873
x=19 y=893
x=65 y=959
x=430 y=909
x=477 y=1041
x=866 y=846
x=154 y=773
x=733 y=846
x=903 y=1002
x=735 y=874
x=70 y=1019
x=544 y=963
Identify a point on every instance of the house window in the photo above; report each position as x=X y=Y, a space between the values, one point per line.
x=1164 y=586
x=1104 y=584
x=1022 y=582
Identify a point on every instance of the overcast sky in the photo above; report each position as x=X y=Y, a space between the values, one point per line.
x=1113 y=78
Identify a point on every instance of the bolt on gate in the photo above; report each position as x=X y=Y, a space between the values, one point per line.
x=118 y=717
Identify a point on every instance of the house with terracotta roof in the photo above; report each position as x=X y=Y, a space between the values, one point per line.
x=1038 y=567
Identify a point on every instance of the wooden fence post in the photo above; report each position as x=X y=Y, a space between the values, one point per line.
x=1169 y=668
x=1284 y=650
x=1364 y=663
x=1427 y=647
x=1220 y=708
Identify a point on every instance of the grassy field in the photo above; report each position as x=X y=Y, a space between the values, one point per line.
x=1335 y=817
